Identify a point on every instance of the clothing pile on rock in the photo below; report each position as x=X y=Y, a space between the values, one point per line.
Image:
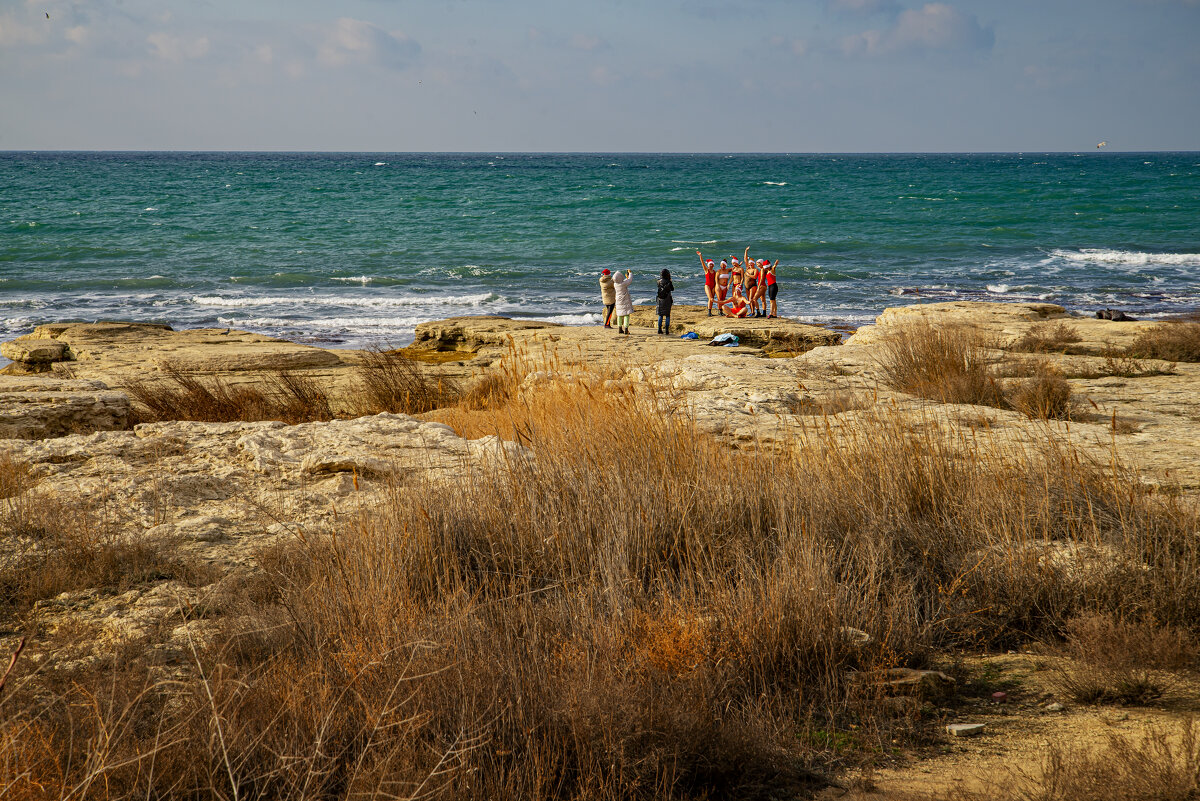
x=727 y=340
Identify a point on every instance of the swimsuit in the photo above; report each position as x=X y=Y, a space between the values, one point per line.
x=710 y=278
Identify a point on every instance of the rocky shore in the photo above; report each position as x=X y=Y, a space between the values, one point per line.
x=218 y=493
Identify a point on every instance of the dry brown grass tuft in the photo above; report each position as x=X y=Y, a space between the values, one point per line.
x=948 y=364
x=1171 y=342
x=1047 y=338
x=184 y=395
x=1123 y=661
x=951 y=365
x=1045 y=396
x=393 y=381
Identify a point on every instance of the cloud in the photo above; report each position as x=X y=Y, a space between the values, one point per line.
x=583 y=42
x=352 y=41
x=933 y=27
x=177 y=49
x=16 y=32
x=865 y=7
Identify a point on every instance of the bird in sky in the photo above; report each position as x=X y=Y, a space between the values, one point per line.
x=1102 y=144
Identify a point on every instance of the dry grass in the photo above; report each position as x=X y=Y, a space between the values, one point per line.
x=1045 y=396
x=1170 y=342
x=393 y=381
x=1047 y=338
x=951 y=365
x=1158 y=766
x=631 y=610
x=52 y=547
x=947 y=364
x=183 y=395
x=1123 y=661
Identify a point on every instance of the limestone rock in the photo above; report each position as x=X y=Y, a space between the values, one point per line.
x=114 y=348
x=1004 y=323
x=30 y=351
x=372 y=446
x=36 y=407
x=965 y=729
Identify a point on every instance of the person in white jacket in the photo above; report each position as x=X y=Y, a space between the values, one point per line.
x=624 y=304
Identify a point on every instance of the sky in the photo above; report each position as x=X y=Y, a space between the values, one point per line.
x=792 y=76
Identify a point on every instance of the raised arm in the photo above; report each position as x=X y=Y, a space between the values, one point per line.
x=746 y=256
x=703 y=266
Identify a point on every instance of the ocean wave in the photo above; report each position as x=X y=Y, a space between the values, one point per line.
x=343 y=325
x=355 y=279
x=775 y=183
x=1132 y=258
x=432 y=299
x=575 y=319
x=998 y=289
x=687 y=242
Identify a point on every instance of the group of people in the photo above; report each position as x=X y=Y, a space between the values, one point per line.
x=614 y=293
x=742 y=289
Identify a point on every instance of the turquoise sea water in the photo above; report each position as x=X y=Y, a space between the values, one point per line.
x=357 y=248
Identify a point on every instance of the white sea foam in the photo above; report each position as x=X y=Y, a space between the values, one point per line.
x=775 y=183
x=356 y=279
x=998 y=289
x=687 y=242
x=381 y=164
x=678 y=248
x=334 y=324
x=149 y=208
x=333 y=300
x=1130 y=258
x=575 y=319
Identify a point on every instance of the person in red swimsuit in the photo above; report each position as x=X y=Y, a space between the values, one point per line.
x=710 y=282
x=737 y=306
x=772 y=287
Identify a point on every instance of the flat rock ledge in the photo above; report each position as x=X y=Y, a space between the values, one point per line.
x=484 y=334
x=36 y=407
x=132 y=347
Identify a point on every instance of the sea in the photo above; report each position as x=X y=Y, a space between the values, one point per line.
x=356 y=249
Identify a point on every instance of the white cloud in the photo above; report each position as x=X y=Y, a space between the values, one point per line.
x=866 y=6
x=350 y=41
x=78 y=34
x=14 y=32
x=583 y=42
x=933 y=27
x=177 y=49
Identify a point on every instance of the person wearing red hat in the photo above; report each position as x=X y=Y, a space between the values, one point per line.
x=710 y=282
x=608 y=295
x=738 y=307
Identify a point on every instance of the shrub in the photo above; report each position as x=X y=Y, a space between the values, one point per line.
x=1046 y=395
x=1122 y=661
x=1047 y=339
x=947 y=364
x=1171 y=342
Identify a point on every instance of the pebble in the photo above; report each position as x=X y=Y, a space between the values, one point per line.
x=1055 y=707
x=965 y=729
x=1000 y=697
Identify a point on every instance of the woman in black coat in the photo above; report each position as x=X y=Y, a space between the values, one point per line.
x=665 y=299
